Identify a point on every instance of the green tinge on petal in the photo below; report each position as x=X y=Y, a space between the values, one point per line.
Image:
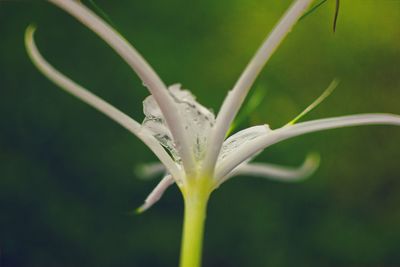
x=29 y=32
x=138 y=211
x=156 y=194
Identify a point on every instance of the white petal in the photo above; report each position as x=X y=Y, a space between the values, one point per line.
x=197 y=120
x=149 y=77
x=275 y=172
x=156 y=194
x=235 y=98
x=287 y=132
x=239 y=139
x=98 y=103
x=155 y=123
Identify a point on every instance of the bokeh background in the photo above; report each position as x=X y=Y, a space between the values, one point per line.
x=67 y=182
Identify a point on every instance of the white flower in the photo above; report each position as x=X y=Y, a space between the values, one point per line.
x=185 y=136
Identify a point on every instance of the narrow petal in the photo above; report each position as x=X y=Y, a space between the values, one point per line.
x=78 y=91
x=287 y=132
x=275 y=172
x=149 y=77
x=235 y=98
x=156 y=194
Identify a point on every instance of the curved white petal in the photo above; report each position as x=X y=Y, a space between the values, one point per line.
x=275 y=172
x=235 y=98
x=157 y=193
x=78 y=91
x=287 y=132
x=242 y=138
x=143 y=70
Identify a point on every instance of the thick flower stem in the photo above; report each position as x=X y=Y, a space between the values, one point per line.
x=196 y=199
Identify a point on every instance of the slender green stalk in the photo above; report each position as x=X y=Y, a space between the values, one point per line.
x=196 y=199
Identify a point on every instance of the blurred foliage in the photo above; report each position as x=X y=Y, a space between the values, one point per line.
x=67 y=186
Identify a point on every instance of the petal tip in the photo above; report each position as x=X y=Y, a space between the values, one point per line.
x=29 y=33
x=311 y=164
x=140 y=209
x=31 y=28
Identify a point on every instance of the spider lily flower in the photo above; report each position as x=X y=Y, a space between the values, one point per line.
x=187 y=138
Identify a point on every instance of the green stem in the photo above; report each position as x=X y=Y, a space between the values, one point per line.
x=193 y=226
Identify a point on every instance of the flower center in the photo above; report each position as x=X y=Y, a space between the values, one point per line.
x=197 y=119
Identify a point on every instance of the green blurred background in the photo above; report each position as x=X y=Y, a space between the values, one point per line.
x=67 y=182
